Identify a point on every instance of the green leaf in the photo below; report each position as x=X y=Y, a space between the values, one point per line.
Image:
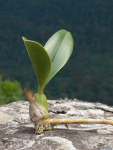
x=40 y=61
x=59 y=48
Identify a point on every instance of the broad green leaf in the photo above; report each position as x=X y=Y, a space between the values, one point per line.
x=59 y=48
x=40 y=61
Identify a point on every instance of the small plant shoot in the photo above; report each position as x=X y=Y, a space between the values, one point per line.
x=49 y=59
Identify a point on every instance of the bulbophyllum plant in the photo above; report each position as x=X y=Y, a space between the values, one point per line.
x=47 y=61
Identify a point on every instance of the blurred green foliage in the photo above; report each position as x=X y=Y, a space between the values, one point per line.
x=89 y=73
x=10 y=91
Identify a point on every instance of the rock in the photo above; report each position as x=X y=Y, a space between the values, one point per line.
x=17 y=132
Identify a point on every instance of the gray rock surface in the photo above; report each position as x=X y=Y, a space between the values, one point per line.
x=17 y=131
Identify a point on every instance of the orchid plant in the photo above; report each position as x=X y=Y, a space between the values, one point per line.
x=49 y=59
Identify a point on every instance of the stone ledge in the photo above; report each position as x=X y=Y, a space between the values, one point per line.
x=17 y=131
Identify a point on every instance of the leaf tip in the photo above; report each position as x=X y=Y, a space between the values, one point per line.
x=24 y=38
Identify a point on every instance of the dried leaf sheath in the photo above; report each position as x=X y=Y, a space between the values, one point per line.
x=29 y=94
x=36 y=111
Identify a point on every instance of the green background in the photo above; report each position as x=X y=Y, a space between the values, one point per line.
x=88 y=75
